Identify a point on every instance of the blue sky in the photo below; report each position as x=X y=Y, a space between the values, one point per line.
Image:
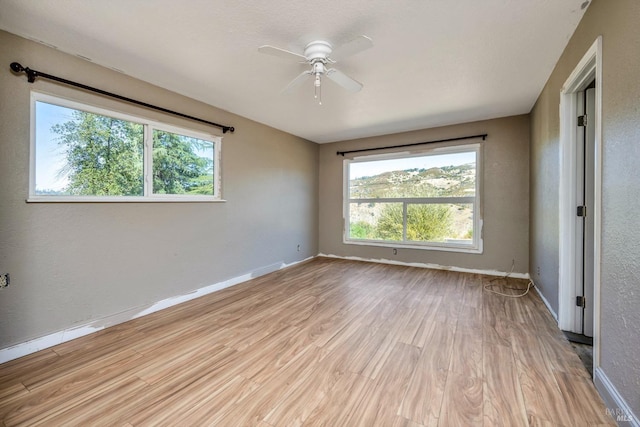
x=49 y=157
x=376 y=167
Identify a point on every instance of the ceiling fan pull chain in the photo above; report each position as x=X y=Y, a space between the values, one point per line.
x=318 y=89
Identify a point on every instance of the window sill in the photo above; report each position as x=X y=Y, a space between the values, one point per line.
x=469 y=250
x=124 y=199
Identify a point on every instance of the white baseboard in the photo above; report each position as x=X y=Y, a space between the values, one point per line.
x=545 y=301
x=433 y=266
x=96 y=325
x=615 y=403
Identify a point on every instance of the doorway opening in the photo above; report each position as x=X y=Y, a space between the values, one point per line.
x=581 y=201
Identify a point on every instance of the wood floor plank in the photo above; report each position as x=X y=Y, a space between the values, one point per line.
x=466 y=354
x=379 y=404
x=471 y=319
x=46 y=410
x=502 y=393
x=12 y=371
x=337 y=406
x=176 y=388
x=418 y=327
x=274 y=353
x=541 y=393
x=385 y=349
x=495 y=324
x=159 y=368
x=68 y=388
x=325 y=343
x=541 y=422
x=462 y=402
x=372 y=340
x=198 y=403
x=95 y=411
x=423 y=399
x=583 y=403
x=296 y=406
x=213 y=406
x=403 y=422
x=255 y=407
x=12 y=392
x=559 y=354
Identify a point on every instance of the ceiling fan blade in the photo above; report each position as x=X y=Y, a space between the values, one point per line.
x=343 y=80
x=352 y=47
x=297 y=81
x=281 y=53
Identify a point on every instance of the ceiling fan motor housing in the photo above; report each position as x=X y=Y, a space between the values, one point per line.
x=318 y=50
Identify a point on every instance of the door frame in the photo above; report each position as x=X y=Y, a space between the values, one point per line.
x=588 y=69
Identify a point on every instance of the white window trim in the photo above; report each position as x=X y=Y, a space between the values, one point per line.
x=476 y=247
x=149 y=126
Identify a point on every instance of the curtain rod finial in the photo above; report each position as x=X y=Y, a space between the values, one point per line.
x=16 y=67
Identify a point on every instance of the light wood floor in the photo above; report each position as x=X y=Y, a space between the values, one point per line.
x=328 y=342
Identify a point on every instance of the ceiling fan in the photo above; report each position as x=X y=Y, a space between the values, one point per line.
x=320 y=55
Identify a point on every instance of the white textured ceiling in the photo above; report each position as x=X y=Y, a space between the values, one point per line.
x=434 y=62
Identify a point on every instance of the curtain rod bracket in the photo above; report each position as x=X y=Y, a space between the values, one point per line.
x=17 y=68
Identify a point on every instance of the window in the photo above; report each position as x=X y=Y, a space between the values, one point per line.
x=427 y=200
x=83 y=153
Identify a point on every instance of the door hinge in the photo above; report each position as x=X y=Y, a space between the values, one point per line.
x=581 y=211
x=581 y=301
x=582 y=121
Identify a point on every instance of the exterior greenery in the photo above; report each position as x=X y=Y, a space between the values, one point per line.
x=104 y=157
x=177 y=169
x=425 y=223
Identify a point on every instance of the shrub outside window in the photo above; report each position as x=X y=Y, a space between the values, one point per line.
x=83 y=153
x=426 y=200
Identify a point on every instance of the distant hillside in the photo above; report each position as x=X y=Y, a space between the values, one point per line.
x=434 y=182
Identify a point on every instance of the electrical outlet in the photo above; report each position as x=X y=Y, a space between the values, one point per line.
x=298 y=248
x=538 y=270
x=4 y=280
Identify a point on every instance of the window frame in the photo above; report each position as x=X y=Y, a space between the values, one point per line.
x=475 y=247
x=149 y=126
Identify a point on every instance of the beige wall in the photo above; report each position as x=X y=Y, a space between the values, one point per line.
x=505 y=197
x=617 y=22
x=71 y=263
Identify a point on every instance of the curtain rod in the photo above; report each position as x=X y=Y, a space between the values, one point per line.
x=483 y=136
x=32 y=74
